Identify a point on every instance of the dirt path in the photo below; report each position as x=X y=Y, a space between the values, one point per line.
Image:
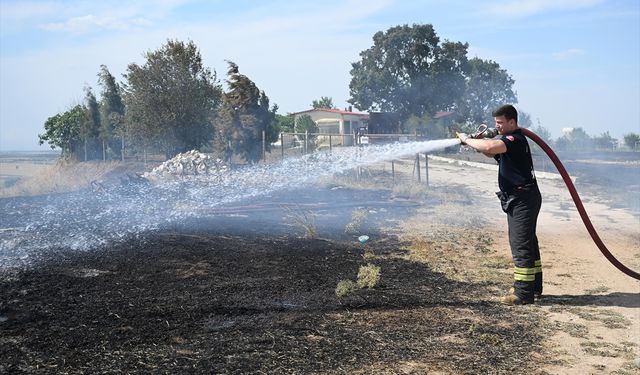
x=592 y=308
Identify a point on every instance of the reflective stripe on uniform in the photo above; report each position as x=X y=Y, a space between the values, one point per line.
x=538 y=266
x=524 y=274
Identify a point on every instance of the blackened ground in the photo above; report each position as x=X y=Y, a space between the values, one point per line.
x=233 y=293
x=182 y=303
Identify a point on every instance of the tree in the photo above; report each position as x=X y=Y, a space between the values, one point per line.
x=632 y=140
x=574 y=139
x=244 y=115
x=543 y=133
x=284 y=123
x=324 y=102
x=487 y=87
x=305 y=123
x=112 y=112
x=63 y=130
x=408 y=71
x=605 y=141
x=172 y=99
x=425 y=126
x=90 y=128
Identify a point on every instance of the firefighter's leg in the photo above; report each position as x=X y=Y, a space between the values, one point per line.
x=536 y=200
x=521 y=219
x=538 y=264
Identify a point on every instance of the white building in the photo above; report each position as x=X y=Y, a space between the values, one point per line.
x=336 y=122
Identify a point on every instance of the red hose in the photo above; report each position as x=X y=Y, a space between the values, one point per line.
x=576 y=199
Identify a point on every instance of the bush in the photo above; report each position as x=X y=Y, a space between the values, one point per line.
x=345 y=288
x=368 y=276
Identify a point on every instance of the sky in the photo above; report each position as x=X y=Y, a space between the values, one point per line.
x=576 y=63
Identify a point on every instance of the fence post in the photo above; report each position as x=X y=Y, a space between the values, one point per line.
x=329 y=143
x=418 y=166
x=264 y=147
x=306 y=142
x=426 y=168
x=282 y=144
x=393 y=172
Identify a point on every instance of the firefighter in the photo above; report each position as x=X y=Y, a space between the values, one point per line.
x=520 y=199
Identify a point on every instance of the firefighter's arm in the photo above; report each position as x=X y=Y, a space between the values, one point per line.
x=489 y=147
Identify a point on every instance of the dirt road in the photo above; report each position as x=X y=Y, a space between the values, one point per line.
x=593 y=310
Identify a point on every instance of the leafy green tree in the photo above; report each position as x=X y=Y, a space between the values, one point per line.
x=112 y=111
x=244 y=115
x=487 y=87
x=304 y=124
x=632 y=140
x=63 y=130
x=410 y=72
x=324 y=102
x=425 y=126
x=524 y=119
x=575 y=140
x=284 y=123
x=172 y=99
x=605 y=141
x=90 y=129
x=542 y=132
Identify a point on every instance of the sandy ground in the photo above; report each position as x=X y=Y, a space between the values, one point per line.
x=593 y=308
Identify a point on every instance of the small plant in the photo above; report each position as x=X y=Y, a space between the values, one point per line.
x=368 y=276
x=303 y=219
x=345 y=288
x=358 y=216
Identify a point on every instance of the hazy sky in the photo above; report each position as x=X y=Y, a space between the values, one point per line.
x=575 y=62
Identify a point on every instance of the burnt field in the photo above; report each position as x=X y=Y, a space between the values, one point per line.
x=241 y=290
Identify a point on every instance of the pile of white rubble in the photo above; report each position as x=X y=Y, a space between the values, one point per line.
x=190 y=163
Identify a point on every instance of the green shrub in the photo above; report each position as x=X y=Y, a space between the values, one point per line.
x=368 y=276
x=345 y=288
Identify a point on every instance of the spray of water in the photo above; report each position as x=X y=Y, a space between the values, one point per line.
x=84 y=220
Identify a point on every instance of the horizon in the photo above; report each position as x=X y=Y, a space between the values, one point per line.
x=584 y=54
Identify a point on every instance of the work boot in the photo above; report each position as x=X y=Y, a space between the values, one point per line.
x=513 y=300
x=536 y=295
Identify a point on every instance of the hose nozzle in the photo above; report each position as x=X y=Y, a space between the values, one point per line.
x=483 y=131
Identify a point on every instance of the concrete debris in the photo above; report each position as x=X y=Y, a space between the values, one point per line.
x=190 y=163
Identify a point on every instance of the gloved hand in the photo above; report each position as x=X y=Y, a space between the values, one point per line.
x=463 y=137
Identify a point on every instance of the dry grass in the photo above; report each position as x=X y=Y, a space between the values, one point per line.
x=358 y=216
x=609 y=319
x=64 y=176
x=303 y=219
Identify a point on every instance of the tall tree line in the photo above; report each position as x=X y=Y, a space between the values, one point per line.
x=173 y=103
x=170 y=104
x=409 y=71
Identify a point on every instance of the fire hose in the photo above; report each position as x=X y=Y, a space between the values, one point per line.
x=574 y=194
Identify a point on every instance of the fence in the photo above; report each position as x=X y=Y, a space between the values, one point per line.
x=297 y=144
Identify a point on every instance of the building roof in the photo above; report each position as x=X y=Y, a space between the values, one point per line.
x=332 y=110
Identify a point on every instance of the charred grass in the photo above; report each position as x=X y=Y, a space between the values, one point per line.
x=214 y=301
x=203 y=303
